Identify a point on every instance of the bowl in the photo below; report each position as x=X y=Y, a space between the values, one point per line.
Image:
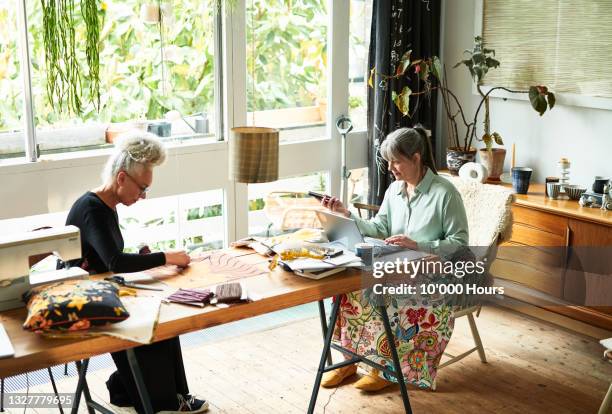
x=574 y=192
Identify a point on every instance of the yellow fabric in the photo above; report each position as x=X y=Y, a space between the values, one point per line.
x=372 y=382
x=334 y=378
x=126 y=291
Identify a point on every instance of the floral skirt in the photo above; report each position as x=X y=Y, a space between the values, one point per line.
x=422 y=328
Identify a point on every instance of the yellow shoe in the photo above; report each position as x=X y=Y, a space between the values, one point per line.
x=372 y=382
x=334 y=378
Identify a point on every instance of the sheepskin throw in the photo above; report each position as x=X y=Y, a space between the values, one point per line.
x=488 y=210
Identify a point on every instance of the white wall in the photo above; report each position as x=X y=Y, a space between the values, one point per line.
x=583 y=135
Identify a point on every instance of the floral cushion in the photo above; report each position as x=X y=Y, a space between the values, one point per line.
x=73 y=305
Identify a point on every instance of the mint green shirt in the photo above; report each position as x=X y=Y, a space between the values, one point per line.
x=434 y=216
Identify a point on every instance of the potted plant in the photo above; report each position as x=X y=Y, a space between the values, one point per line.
x=431 y=75
x=479 y=62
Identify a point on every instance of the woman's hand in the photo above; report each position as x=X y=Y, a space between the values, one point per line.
x=335 y=205
x=177 y=257
x=403 y=241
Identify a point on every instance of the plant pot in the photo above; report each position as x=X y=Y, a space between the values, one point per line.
x=456 y=157
x=493 y=159
x=116 y=129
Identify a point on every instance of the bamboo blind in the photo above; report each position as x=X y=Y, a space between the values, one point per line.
x=564 y=44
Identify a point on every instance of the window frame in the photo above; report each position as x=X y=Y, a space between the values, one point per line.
x=30 y=133
x=55 y=180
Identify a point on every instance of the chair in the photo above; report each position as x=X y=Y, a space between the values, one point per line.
x=370 y=209
x=289 y=210
x=488 y=210
x=489 y=214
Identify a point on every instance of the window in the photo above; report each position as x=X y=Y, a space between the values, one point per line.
x=359 y=44
x=287 y=66
x=188 y=221
x=11 y=86
x=146 y=71
x=281 y=205
x=559 y=43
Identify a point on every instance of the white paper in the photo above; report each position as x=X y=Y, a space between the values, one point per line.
x=140 y=326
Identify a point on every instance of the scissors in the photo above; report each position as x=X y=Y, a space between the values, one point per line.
x=120 y=280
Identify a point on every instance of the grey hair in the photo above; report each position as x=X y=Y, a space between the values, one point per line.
x=407 y=142
x=134 y=149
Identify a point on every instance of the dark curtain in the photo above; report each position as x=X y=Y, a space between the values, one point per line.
x=398 y=26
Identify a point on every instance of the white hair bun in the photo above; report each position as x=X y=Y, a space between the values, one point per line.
x=132 y=149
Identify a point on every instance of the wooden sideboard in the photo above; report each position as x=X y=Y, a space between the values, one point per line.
x=558 y=258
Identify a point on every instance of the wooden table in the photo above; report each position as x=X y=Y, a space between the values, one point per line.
x=278 y=289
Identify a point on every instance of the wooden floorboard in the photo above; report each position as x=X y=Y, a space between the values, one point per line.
x=533 y=367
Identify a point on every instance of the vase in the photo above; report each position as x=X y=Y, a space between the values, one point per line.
x=456 y=157
x=493 y=159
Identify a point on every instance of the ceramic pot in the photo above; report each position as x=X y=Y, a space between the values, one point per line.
x=494 y=161
x=456 y=157
x=520 y=179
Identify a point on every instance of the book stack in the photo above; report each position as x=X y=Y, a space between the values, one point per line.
x=321 y=268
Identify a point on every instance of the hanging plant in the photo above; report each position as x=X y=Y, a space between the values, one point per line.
x=64 y=72
x=89 y=10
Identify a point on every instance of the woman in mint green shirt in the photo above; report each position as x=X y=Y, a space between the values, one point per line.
x=420 y=211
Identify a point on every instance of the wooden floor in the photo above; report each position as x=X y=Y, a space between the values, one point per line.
x=534 y=367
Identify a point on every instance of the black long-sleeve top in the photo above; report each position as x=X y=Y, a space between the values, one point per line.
x=101 y=239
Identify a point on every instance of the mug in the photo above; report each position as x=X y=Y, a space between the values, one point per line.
x=366 y=252
x=520 y=179
x=600 y=182
x=553 y=189
x=550 y=180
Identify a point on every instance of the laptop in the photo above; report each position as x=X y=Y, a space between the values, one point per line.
x=344 y=231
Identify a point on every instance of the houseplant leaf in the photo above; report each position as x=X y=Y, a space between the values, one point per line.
x=402 y=100
x=551 y=100
x=538 y=102
x=436 y=67
x=424 y=70
x=371 y=78
x=497 y=138
x=492 y=63
x=403 y=64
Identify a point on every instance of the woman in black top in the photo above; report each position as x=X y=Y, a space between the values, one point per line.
x=126 y=179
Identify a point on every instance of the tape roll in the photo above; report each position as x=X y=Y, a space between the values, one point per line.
x=474 y=171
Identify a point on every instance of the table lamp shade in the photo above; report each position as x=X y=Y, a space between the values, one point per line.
x=253 y=155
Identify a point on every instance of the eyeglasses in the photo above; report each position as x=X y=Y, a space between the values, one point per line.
x=143 y=189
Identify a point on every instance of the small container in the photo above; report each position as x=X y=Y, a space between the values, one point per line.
x=600 y=184
x=366 y=252
x=201 y=124
x=552 y=190
x=520 y=179
x=574 y=192
x=161 y=128
x=550 y=180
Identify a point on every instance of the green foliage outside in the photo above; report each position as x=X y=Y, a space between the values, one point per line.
x=198 y=213
x=257 y=204
x=289 y=67
x=286 y=53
